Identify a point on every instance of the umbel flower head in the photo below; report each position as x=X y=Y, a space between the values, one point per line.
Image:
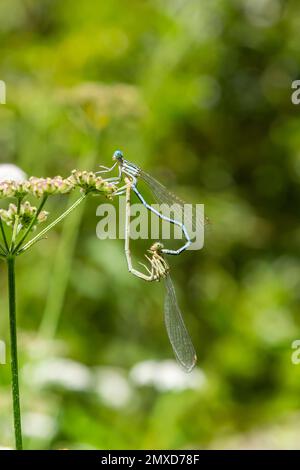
x=17 y=189
x=39 y=187
x=87 y=181
x=24 y=216
x=36 y=187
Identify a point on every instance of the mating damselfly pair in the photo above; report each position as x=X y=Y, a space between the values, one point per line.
x=158 y=269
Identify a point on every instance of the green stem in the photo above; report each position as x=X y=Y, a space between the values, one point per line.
x=14 y=352
x=31 y=223
x=50 y=226
x=62 y=266
x=2 y=251
x=3 y=235
x=15 y=228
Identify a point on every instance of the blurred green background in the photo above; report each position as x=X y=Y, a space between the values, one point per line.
x=199 y=94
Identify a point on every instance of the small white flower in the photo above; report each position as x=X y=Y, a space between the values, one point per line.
x=10 y=172
x=59 y=372
x=112 y=387
x=38 y=425
x=166 y=376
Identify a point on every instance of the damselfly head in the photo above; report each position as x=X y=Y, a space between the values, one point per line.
x=118 y=155
x=156 y=247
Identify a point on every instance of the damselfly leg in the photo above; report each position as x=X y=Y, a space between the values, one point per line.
x=158 y=267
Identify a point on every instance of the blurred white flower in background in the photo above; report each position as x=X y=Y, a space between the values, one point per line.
x=8 y=171
x=64 y=373
x=166 y=376
x=38 y=425
x=262 y=13
x=112 y=387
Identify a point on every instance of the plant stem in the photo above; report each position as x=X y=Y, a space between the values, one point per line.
x=14 y=351
x=3 y=235
x=15 y=228
x=62 y=265
x=2 y=251
x=62 y=262
x=31 y=223
x=50 y=226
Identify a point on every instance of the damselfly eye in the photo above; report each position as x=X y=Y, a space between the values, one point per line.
x=118 y=155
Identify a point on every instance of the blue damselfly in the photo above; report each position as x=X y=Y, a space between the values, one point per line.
x=160 y=192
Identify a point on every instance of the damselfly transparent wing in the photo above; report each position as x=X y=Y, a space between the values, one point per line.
x=164 y=196
x=178 y=335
